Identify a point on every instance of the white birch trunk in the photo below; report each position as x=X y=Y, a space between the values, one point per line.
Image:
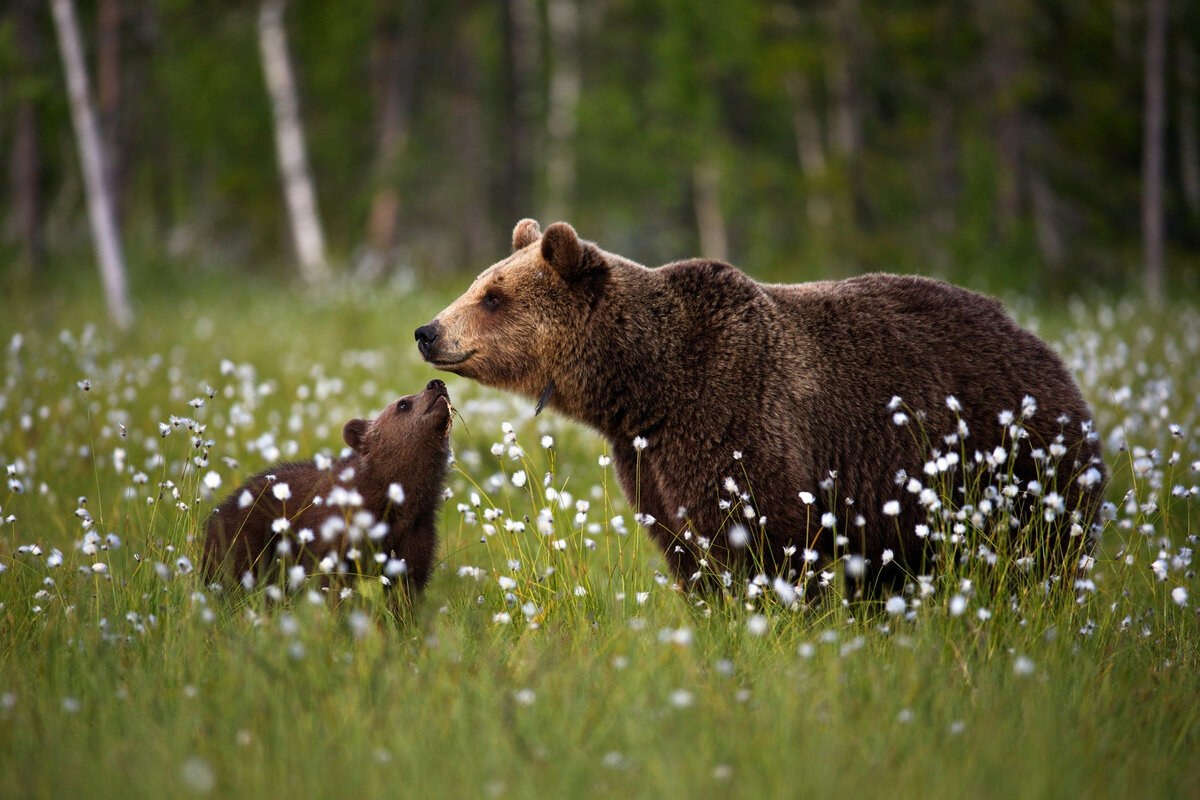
x=100 y=209
x=289 y=144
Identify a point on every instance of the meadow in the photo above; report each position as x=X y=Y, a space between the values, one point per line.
x=551 y=655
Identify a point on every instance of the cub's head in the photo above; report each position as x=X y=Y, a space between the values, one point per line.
x=410 y=435
x=522 y=316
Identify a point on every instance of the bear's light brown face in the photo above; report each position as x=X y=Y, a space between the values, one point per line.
x=512 y=325
x=410 y=430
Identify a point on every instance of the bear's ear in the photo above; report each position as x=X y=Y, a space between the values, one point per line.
x=562 y=250
x=526 y=233
x=353 y=434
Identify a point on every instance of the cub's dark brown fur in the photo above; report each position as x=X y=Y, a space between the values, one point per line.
x=406 y=445
x=706 y=365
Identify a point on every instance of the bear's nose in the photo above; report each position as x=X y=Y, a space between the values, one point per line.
x=426 y=336
x=436 y=385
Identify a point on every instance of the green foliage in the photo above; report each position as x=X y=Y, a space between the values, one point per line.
x=597 y=676
x=954 y=138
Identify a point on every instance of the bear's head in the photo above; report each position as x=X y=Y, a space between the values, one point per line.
x=522 y=315
x=410 y=435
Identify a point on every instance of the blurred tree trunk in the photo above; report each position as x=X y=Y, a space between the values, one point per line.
x=1153 y=125
x=394 y=51
x=289 y=143
x=710 y=221
x=1046 y=224
x=847 y=102
x=1001 y=26
x=1189 y=139
x=108 y=96
x=91 y=156
x=519 y=55
x=470 y=150
x=809 y=149
x=25 y=158
x=566 y=83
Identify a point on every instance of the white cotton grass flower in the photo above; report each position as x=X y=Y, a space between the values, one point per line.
x=785 y=591
x=1023 y=666
x=682 y=698
x=525 y=697
x=281 y=491
x=757 y=625
x=547 y=441
x=892 y=508
x=1028 y=407
x=212 y=480
x=395 y=493
x=1180 y=595
x=807 y=498
x=958 y=605
x=677 y=636
x=895 y=605
x=296 y=576
x=519 y=478
x=739 y=536
x=640 y=443
x=198 y=775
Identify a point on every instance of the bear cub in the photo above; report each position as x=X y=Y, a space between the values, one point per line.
x=374 y=510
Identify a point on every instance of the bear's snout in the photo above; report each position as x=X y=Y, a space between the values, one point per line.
x=437 y=386
x=426 y=336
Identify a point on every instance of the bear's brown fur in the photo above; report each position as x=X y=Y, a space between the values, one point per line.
x=778 y=392
x=406 y=445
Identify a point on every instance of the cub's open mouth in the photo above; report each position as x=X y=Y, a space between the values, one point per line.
x=440 y=398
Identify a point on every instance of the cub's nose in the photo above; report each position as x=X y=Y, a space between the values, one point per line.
x=426 y=336
x=437 y=386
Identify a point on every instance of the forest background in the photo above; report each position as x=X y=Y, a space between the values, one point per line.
x=1046 y=148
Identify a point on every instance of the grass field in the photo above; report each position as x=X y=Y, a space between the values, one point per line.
x=549 y=657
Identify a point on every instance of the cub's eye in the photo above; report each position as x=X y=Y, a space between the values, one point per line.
x=491 y=302
x=403 y=405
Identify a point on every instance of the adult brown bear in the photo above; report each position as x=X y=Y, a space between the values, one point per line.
x=764 y=428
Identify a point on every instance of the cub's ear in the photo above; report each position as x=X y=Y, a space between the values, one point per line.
x=353 y=434
x=526 y=233
x=562 y=250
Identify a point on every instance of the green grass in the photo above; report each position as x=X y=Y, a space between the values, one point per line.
x=138 y=681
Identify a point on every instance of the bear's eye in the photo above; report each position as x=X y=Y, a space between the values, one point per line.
x=490 y=302
x=403 y=405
